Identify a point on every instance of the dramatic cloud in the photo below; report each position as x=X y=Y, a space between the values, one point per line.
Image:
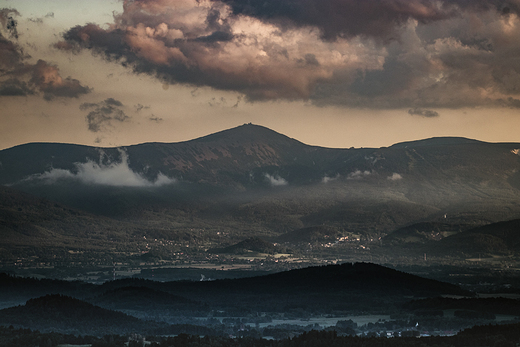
x=103 y=114
x=425 y=113
x=203 y=44
x=414 y=54
x=349 y=18
x=465 y=61
x=114 y=174
x=345 y=18
x=20 y=78
x=47 y=79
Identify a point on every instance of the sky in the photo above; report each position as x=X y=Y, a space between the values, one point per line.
x=332 y=73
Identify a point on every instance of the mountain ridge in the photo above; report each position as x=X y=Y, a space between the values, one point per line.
x=251 y=181
x=246 y=129
x=238 y=132
x=236 y=157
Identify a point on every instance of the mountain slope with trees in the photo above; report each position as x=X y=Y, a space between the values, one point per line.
x=246 y=182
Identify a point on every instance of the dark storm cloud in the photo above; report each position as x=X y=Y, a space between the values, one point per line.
x=103 y=114
x=11 y=55
x=422 y=112
x=504 y=7
x=217 y=36
x=408 y=54
x=20 y=78
x=14 y=87
x=186 y=61
x=374 y=18
x=113 y=102
x=344 y=18
x=509 y=102
x=192 y=43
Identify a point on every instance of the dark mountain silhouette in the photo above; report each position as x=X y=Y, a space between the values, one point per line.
x=358 y=287
x=220 y=158
x=20 y=289
x=349 y=277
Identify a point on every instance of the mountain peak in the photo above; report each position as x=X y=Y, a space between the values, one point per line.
x=247 y=133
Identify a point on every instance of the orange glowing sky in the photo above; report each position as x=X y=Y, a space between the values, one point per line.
x=111 y=73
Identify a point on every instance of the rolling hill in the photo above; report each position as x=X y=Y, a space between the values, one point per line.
x=358 y=287
x=65 y=314
x=502 y=238
x=353 y=287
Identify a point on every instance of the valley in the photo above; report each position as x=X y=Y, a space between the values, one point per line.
x=252 y=234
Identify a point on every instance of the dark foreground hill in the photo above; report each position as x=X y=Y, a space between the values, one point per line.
x=359 y=287
x=148 y=300
x=68 y=315
x=15 y=290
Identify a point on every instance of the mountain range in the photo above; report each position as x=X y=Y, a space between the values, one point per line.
x=251 y=181
x=246 y=155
